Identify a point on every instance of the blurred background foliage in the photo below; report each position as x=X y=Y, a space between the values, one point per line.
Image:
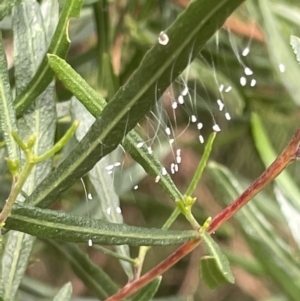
x=109 y=41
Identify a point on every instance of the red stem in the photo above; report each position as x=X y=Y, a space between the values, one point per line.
x=134 y=286
x=290 y=153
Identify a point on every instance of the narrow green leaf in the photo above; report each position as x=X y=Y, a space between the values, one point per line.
x=295 y=42
x=50 y=13
x=280 y=54
x=14 y=263
x=65 y=227
x=95 y=104
x=292 y=216
x=275 y=255
x=149 y=291
x=7 y=114
x=202 y=164
x=92 y=276
x=6 y=7
x=268 y=155
x=29 y=47
x=30 y=44
x=286 y=192
x=151 y=165
x=77 y=85
x=136 y=173
x=59 y=45
x=288 y=12
x=250 y=265
x=215 y=268
x=36 y=287
x=102 y=182
x=186 y=37
x=65 y=293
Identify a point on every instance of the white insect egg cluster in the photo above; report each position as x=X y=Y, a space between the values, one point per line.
x=185 y=99
x=160 y=130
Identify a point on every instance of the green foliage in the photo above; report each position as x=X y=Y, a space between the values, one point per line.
x=214 y=268
x=123 y=59
x=148 y=292
x=65 y=293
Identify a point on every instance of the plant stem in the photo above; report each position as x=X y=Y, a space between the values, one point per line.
x=290 y=153
x=31 y=160
x=59 y=145
x=18 y=182
x=201 y=165
x=144 y=249
x=171 y=219
x=114 y=254
x=134 y=286
x=140 y=261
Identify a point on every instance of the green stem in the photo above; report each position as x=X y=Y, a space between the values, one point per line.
x=183 y=208
x=17 y=186
x=171 y=219
x=114 y=254
x=190 y=217
x=202 y=164
x=144 y=249
x=59 y=145
x=31 y=160
x=22 y=145
x=139 y=261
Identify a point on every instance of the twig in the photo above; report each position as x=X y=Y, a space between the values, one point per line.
x=134 y=286
x=290 y=153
